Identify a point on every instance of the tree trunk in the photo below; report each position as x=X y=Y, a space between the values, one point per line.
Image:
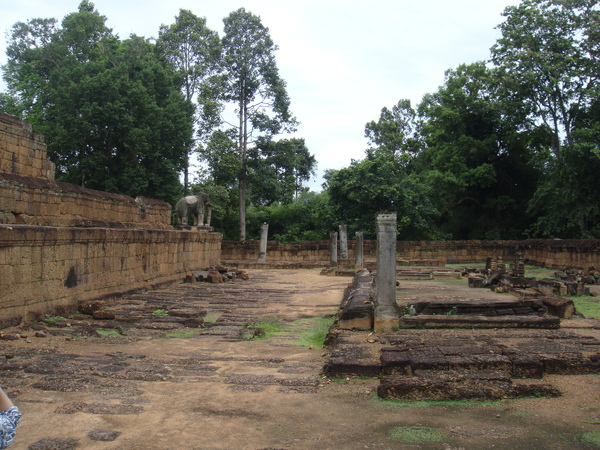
x=186 y=172
x=243 y=143
x=242 y=188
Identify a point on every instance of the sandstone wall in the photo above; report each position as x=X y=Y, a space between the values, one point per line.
x=22 y=151
x=61 y=243
x=43 y=268
x=544 y=252
x=29 y=195
x=37 y=201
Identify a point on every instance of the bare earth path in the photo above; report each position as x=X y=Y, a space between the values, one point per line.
x=215 y=390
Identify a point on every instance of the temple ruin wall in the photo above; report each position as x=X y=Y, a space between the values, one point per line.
x=553 y=253
x=61 y=243
x=45 y=268
x=23 y=151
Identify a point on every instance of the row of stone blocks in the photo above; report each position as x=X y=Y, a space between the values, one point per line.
x=427 y=365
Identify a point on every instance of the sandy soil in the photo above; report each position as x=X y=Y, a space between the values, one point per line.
x=213 y=390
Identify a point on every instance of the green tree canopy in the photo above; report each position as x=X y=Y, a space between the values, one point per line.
x=252 y=83
x=276 y=170
x=111 y=110
x=479 y=167
x=194 y=51
x=548 y=59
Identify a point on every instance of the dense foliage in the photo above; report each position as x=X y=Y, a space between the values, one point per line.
x=505 y=149
x=110 y=110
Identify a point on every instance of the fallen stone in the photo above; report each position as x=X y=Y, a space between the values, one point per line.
x=214 y=277
x=103 y=315
x=559 y=306
x=90 y=307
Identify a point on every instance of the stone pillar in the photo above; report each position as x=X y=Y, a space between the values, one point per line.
x=343 y=242
x=333 y=247
x=358 y=250
x=387 y=316
x=264 y=233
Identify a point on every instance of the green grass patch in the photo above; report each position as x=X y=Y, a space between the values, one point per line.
x=592 y=437
x=265 y=329
x=388 y=403
x=103 y=332
x=530 y=271
x=181 y=334
x=160 y=312
x=586 y=305
x=53 y=319
x=309 y=333
x=212 y=317
x=539 y=272
x=416 y=435
x=315 y=335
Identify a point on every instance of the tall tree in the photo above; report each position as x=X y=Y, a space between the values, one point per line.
x=194 y=50
x=545 y=62
x=111 y=110
x=548 y=57
x=479 y=167
x=252 y=83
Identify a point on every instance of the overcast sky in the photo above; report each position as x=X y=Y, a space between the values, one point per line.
x=343 y=60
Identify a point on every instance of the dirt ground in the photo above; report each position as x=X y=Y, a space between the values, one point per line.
x=213 y=389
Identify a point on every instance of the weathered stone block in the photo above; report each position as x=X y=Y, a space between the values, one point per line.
x=396 y=361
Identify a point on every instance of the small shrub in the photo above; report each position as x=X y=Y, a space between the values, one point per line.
x=160 y=312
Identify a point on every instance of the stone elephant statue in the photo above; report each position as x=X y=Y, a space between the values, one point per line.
x=198 y=205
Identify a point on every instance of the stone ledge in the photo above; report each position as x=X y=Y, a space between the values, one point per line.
x=476 y=321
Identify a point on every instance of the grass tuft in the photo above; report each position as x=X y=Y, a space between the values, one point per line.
x=592 y=437
x=181 y=334
x=390 y=403
x=54 y=319
x=315 y=336
x=108 y=333
x=264 y=330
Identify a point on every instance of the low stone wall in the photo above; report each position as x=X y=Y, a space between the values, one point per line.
x=584 y=253
x=38 y=201
x=448 y=251
x=22 y=151
x=44 y=269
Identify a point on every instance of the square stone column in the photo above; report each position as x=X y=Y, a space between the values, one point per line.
x=358 y=250
x=264 y=234
x=343 y=242
x=333 y=254
x=387 y=316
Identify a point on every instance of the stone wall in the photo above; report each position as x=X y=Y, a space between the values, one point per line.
x=544 y=252
x=45 y=268
x=29 y=195
x=23 y=152
x=61 y=243
x=37 y=201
